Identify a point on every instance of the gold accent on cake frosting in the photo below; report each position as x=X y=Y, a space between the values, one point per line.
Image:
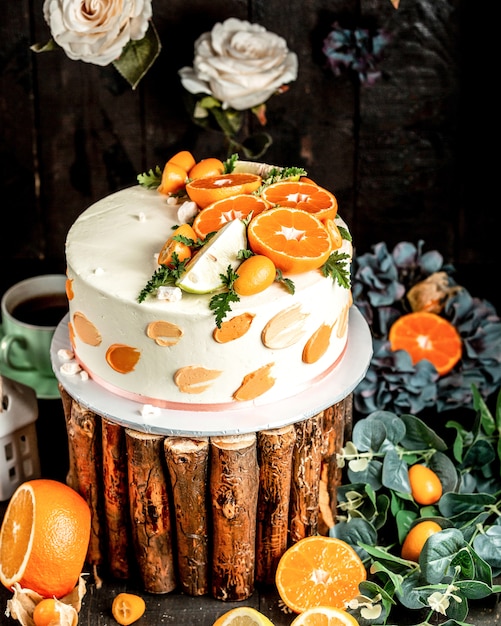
x=194 y=378
x=233 y=328
x=255 y=384
x=284 y=329
x=317 y=344
x=86 y=330
x=122 y=358
x=164 y=333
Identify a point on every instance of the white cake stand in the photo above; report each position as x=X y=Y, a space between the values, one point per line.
x=192 y=423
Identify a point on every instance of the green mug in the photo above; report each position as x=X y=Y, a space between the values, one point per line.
x=31 y=311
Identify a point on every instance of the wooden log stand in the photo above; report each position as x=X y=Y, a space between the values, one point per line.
x=204 y=515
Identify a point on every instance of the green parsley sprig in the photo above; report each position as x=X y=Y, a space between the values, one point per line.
x=163 y=276
x=337 y=267
x=220 y=303
x=150 y=179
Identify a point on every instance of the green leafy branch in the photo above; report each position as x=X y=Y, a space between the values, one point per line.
x=376 y=510
x=220 y=303
x=338 y=268
x=163 y=276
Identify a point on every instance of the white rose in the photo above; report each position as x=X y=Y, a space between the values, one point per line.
x=240 y=64
x=96 y=31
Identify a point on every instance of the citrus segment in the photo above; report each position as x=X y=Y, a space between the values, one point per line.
x=417 y=537
x=213 y=217
x=243 y=616
x=203 y=271
x=296 y=241
x=324 y=616
x=425 y=335
x=208 y=189
x=319 y=571
x=426 y=487
x=44 y=538
x=302 y=194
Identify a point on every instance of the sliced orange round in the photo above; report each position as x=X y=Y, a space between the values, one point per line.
x=324 y=616
x=296 y=241
x=217 y=214
x=425 y=335
x=208 y=189
x=319 y=571
x=302 y=194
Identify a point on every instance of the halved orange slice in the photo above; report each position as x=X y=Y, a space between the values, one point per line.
x=296 y=241
x=219 y=213
x=302 y=194
x=319 y=571
x=426 y=335
x=208 y=189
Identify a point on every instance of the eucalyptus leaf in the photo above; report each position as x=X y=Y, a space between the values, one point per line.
x=438 y=552
x=369 y=434
x=357 y=531
x=395 y=473
x=445 y=469
x=395 y=427
x=488 y=546
x=452 y=504
x=474 y=589
x=479 y=454
x=419 y=436
x=370 y=475
x=464 y=561
x=409 y=595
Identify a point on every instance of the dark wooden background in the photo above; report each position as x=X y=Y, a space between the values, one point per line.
x=407 y=157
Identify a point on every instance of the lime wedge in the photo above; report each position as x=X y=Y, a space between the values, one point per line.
x=202 y=273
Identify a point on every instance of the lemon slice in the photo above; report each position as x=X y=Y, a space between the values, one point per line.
x=203 y=272
x=243 y=615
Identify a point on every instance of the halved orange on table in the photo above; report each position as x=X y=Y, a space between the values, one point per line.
x=296 y=241
x=219 y=213
x=208 y=189
x=319 y=571
x=302 y=194
x=425 y=335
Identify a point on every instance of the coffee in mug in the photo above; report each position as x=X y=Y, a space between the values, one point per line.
x=31 y=311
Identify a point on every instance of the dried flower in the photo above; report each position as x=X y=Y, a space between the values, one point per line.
x=359 y=50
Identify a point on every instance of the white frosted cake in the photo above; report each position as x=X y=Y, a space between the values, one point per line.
x=170 y=350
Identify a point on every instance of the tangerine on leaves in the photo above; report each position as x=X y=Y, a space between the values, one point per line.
x=208 y=189
x=44 y=538
x=217 y=214
x=319 y=571
x=425 y=335
x=255 y=274
x=296 y=241
x=426 y=487
x=302 y=194
x=417 y=537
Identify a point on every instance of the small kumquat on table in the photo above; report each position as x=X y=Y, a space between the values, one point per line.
x=417 y=537
x=426 y=487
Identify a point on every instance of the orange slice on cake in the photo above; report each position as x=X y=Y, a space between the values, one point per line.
x=301 y=194
x=208 y=189
x=295 y=240
x=425 y=335
x=219 y=213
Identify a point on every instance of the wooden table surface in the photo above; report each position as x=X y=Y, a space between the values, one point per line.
x=174 y=608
